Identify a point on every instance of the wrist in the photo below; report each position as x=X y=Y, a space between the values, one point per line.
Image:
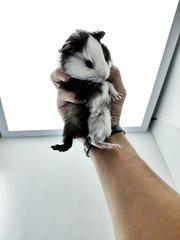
x=117 y=138
x=115 y=129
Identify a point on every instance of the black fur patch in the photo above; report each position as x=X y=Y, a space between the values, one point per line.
x=76 y=43
x=83 y=89
x=106 y=52
x=98 y=35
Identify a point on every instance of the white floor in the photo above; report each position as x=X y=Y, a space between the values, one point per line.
x=45 y=195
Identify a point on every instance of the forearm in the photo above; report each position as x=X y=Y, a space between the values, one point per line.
x=135 y=195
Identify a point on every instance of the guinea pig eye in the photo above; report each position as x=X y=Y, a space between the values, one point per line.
x=89 y=64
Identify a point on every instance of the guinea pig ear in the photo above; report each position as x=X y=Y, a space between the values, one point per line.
x=67 y=48
x=98 y=35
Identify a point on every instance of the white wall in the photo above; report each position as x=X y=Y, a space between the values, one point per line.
x=48 y=195
x=166 y=129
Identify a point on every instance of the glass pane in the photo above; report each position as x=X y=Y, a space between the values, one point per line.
x=33 y=31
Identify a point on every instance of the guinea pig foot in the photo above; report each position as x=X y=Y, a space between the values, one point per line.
x=105 y=145
x=60 y=148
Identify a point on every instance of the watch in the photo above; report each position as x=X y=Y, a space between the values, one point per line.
x=116 y=129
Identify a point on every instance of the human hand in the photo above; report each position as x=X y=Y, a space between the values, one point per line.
x=58 y=76
x=63 y=97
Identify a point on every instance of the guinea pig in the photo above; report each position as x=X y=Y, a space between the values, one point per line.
x=88 y=63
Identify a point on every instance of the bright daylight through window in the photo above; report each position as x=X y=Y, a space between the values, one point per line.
x=33 y=31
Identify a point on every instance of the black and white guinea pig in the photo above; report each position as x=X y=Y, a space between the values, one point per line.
x=87 y=62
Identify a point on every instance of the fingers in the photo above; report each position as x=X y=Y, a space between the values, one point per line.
x=68 y=97
x=58 y=76
x=64 y=98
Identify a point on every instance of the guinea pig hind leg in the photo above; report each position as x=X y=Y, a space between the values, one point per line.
x=105 y=145
x=65 y=146
x=100 y=129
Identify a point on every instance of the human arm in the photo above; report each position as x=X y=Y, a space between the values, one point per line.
x=142 y=206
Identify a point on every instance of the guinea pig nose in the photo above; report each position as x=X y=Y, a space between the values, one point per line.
x=104 y=76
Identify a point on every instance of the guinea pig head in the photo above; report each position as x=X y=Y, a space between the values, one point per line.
x=83 y=56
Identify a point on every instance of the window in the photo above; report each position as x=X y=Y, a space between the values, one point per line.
x=33 y=31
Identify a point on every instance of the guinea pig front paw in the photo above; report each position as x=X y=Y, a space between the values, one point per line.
x=116 y=95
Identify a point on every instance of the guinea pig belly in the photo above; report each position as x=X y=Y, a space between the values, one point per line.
x=100 y=129
x=99 y=125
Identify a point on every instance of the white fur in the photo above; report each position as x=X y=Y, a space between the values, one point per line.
x=77 y=68
x=99 y=121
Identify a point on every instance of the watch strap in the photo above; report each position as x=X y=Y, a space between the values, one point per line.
x=117 y=129
x=87 y=147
